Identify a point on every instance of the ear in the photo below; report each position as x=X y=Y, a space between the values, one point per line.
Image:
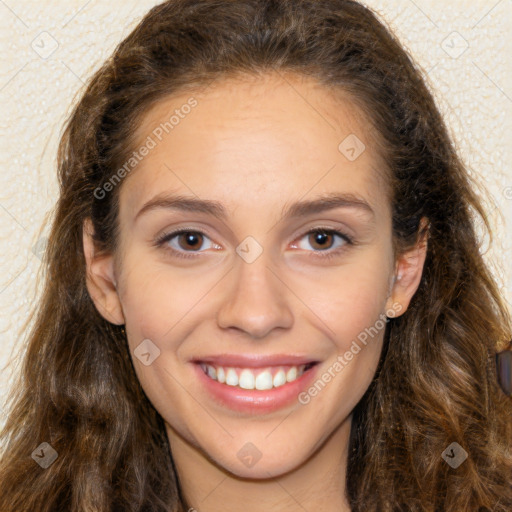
x=100 y=278
x=408 y=272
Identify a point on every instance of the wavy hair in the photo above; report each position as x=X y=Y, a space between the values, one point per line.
x=436 y=382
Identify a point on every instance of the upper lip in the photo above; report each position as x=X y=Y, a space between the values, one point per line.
x=254 y=361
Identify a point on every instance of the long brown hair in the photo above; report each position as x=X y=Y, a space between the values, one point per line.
x=436 y=383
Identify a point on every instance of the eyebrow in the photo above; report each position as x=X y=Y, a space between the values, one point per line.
x=298 y=209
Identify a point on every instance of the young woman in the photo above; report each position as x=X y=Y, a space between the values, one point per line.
x=264 y=289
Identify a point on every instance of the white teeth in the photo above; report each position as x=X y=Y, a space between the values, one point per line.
x=279 y=378
x=246 y=379
x=264 y=380
x=253 y=379
x=212 y=372
x=231 y=377
x=291 y=374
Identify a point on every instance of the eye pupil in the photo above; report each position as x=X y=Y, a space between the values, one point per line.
x=191 y=239
x=320 y=238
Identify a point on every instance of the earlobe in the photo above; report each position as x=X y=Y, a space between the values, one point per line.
x=100 y=278
x=409 y=270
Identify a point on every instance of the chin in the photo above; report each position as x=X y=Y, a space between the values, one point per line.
x=249 y=462
x=262 y=470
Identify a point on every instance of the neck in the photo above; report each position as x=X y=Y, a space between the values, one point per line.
x=316 y=484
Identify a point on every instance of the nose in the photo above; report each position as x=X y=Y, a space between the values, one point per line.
x=257 y=300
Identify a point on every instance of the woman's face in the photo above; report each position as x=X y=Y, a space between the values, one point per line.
x=255 y=285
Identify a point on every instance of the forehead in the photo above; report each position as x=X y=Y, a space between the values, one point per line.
x=278 y=136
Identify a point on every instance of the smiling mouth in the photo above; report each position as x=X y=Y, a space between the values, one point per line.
x=262 y=379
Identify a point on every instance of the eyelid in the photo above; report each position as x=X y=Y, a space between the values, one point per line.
x=169 y=235
x=343 y=233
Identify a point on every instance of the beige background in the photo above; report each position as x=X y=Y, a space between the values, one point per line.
x=49 y=48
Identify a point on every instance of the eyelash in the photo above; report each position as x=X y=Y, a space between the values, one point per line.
x=328 y=254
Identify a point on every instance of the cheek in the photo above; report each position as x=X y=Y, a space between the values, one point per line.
x=350 y=299
x=158 y=298
x=162 y=304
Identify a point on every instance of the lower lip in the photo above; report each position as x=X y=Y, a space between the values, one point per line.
x=252 y=401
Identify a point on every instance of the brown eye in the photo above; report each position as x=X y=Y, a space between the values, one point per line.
x=325 y=243
x=192 y=240
x=321 y=239
x=185 y=243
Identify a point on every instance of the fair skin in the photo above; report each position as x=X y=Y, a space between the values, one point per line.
x=255 y=146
